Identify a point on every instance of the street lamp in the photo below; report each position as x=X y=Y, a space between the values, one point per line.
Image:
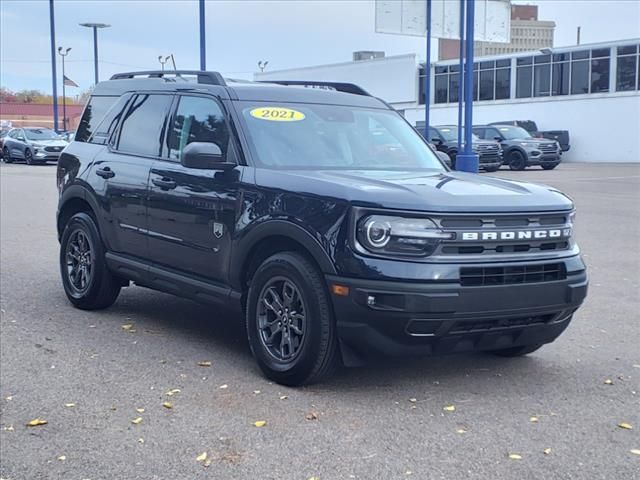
x=95 y=27
x=163 y=60
x=63 y=53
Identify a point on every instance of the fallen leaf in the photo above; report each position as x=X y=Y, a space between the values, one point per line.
x=635 y=451
x=9 y=398
x=9 y=428
x=223 y=387
x=260 y=423
x=533 y=419
x=515 y=456
x=207 y=462
x=608 y=381
x=36 y=422
x=256 y=392
x=284 y=397
x=69 y=405
x=313 y=478
x=202 y=457
x=167 y=405
x=62 y=458
x=136 y=420
x=128 y=327
x=173 y=391
x=413 y=400
x=626 y=426
x=141 y=440
x=311 y=416
x=204 y=364
x=449 y=408
x=547 y=451
x=461 y=430
x=140 y=410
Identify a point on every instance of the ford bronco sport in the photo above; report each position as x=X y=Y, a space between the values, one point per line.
x=282 y=203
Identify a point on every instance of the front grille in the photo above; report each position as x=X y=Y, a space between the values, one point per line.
x=501 y=323
x=511 y=275
x=52 y=149
x=547 y=148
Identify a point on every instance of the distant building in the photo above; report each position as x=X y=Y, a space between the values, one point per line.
x=38 y=115
x=527 y=34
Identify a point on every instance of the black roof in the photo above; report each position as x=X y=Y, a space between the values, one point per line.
x=336 y=93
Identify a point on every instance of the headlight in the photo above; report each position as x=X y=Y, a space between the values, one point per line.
x=384 y=234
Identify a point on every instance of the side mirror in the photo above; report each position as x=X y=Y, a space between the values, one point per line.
x=436 y=141
x=204 y=156
x=20 y=139
x=497 y=139
x=444 y=158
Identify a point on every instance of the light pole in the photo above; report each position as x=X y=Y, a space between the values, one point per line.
x=262 y=65
x=163 y=60
x=52 y=27
x=95 y=27
x=203 y=43
x=63 y=53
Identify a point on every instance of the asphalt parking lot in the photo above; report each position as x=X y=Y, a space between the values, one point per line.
x=89 y=377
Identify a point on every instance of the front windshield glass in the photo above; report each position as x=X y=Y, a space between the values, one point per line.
x=450 y=134
x=40 y=134
x=514 y=133
x=310 y=136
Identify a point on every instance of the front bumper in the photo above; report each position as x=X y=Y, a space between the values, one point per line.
x=436 y=317
x=539 y=158
x=45 y=156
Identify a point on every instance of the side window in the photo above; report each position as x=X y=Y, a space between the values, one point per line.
x=143 y=124
x=479 y=132
x=433 y=134
x=95 y=111
x=197 y=119
x=109 y=122
x=491 y=133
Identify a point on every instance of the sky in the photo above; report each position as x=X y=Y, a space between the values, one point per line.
x=293 y=33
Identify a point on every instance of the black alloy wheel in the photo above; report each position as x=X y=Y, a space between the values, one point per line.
x=28 y=157
x=80 y=260
x=517 y=160
x=6 y=157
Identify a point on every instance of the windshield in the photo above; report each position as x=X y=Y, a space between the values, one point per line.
x=514 y=133
x=450 y=134
x=297 y=136
x=41 y=134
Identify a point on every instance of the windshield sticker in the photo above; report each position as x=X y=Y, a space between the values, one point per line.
x=277 y=114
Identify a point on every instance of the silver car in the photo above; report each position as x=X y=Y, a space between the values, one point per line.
x=33 y=145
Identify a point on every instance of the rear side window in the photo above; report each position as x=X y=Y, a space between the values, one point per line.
x=109 y=122
x=142 y=126
x=94 y=112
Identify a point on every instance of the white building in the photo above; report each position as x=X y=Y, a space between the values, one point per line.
x=590 y=90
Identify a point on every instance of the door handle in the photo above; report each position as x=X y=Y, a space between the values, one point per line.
x=164 y=183
x=105 y=172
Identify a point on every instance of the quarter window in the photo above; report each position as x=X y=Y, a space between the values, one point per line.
x=197 y=119
x=143 y=124
x=92 y=115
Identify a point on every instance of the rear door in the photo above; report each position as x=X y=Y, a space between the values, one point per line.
x=192 y=212
x=120 y=174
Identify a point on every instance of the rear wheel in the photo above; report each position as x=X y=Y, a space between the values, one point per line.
x=517 y=160
x=516 y=351
x=289 y=321
x=88 y=283
x=550 y=166
x=28 y=157
x=6 y=157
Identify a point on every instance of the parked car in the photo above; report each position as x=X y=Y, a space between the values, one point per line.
x=520 y=149
x=33 y=145
x=3 y=134
x=279 y=203
x=445 y=138
x=561 y=136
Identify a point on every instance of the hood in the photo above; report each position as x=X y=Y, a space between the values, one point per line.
x=421 y=191
x=51 y=143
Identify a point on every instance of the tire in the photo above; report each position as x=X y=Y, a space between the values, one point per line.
x=100 y=288
x=6 y=157
x=550 y=167
x=28 y=157
x=517 y=351
x=517 y=161
x=309 y=357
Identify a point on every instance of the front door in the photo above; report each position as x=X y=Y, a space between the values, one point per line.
x=192 y=211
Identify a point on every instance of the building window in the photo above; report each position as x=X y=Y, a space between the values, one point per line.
x=600 y=70
x=524 y=77
x=491 y=81
x=628 y=68
x=542 y=76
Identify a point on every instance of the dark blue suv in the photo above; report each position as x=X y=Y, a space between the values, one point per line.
x=316 y=212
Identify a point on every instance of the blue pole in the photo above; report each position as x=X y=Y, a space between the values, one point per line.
x=427 y=73
x=203 y=48
x=461 y=83
x=52 y=27
x=468 y=162
x=95 y=54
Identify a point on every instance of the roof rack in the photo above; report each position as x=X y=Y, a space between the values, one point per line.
x=338 y=86
x=208 y=78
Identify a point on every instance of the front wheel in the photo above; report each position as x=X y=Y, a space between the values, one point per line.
x=290 y=325
x=516 y=351
x=517 y=161
x=88 y=283
x=550 y=166
x=6 y=157
x=28 y=157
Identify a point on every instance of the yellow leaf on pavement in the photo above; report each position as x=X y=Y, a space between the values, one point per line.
x=204 y=364
x=311 y=416
x=224 y=387
x=449 y=408
x=202 y=457
x=547 y=451
x=69 y=405
x=36 y=422
x=284 y=397
x=62 y=458
x=413 y=400
x=167 y=405
x=461 y=430
x=140 y=410
x=533 y=419
x=626 y=426
x=127 y=327
x=515 y=456
x=260 y=423
x=136 y=420
x=608 y=381
x=173 y=391
x=635 y=451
